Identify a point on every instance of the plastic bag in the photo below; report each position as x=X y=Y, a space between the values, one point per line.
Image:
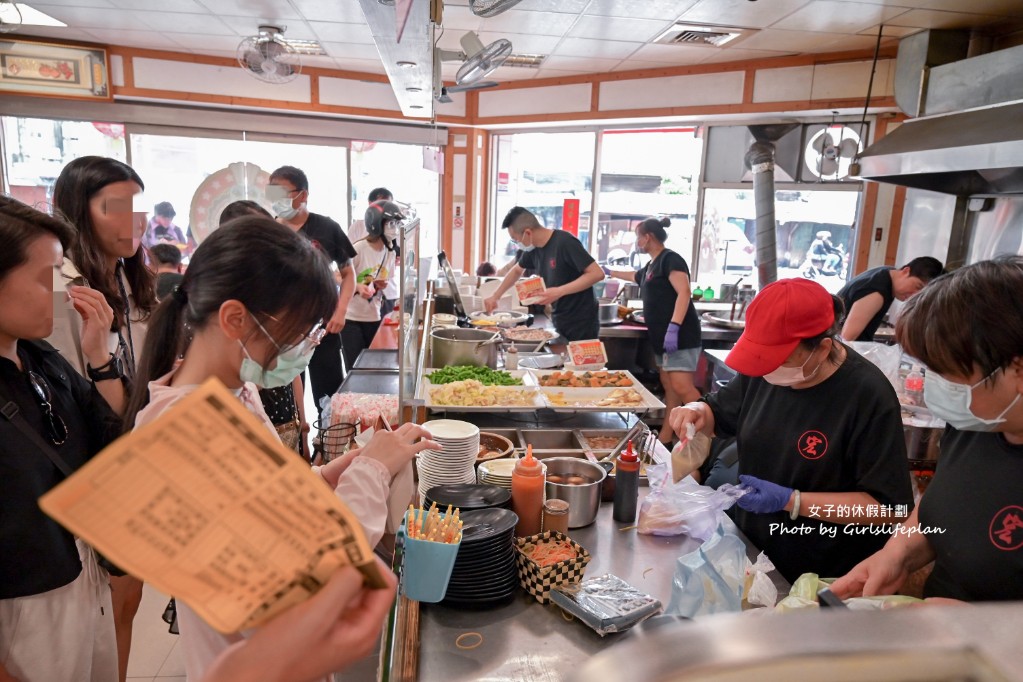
x=606 y=603
x=885 y=357
x=760 y=591
x=690 y=454
x=685 y=507
x=711 y=579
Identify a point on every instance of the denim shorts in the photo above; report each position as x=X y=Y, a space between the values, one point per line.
x=682 y=360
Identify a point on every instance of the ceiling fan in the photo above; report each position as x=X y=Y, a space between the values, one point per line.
x=491 y=8
x=10 y=16
x=268 y=56
x=478 y=61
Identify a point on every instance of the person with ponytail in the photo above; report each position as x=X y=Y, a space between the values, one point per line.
x=96 y=195
x=56 y=620
x=672 y=323
x=229 y=320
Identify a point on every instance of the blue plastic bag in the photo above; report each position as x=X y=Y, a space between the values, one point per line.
x=710 y=579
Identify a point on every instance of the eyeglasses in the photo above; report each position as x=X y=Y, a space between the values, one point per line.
x=55 y=426
x=306 y=344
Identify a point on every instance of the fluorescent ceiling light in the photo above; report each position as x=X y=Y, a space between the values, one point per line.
x=29 y=16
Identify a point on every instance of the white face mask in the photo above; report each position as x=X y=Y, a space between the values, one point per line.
x=790 y=376
x=951 y=401
x=283 y=208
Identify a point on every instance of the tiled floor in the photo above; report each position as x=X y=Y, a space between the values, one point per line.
x=155 y=653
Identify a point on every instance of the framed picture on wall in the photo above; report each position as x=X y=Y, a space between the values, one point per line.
x=54 y=70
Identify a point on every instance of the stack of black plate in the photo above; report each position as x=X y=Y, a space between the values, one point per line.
x=485 y=572
x=468 y=496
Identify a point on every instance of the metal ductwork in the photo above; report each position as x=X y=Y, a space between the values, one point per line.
x=969 y=139
x=760 y=160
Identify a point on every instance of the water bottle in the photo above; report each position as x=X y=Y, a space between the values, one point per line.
x=914 y=387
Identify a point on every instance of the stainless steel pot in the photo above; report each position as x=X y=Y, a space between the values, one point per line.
x=464 y=347
x=583 y=499
x=628 y=292
x=607 y=310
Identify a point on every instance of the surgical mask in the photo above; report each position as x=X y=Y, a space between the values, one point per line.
x=390 y=235
x=790 y=376
x=951 y=401
x=283 y=209
x=522 y=247
x=290 y=363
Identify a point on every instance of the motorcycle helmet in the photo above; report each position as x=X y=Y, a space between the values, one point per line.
x=382 y=218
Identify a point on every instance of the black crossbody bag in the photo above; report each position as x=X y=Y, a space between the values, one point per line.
x=12 y=413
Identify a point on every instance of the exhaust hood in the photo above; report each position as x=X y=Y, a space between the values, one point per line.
x=967 y=154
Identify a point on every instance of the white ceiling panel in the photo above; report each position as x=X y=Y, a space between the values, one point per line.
x=521 y=43
x=640 y=30
x=676 y=54
x=203 y=43
x=270 y=8
x=737 y=54
x=147 y=39
x=351 y=51
x=342 y=11
x=606 y=49
x=58 y=33
x=890 y=30
x=789 y=41
x=925 y=18
x=667 y=10
x=461 y=19
x=565 y=6
x=541 y=23
x=249 y=26
x=91 y=17
x=163 y=5
x=838 y=17
x=742 y=12
x=558 y=73
x=88 y=3
x=1009 y=8
x=581 y=64
x=342 y=33
x=636 y=65
x=845 y=43
x=508 y=73
x=360 y=65
x=179 y=22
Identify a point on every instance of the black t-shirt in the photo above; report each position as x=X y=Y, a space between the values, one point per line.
x=877 y=280
x=36 y=553
x=328 y=236
x=976 y=498
x=659 y=298
x=560 y=261
x=842 y=435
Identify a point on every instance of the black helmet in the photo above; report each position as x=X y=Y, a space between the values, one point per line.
x=378 y=215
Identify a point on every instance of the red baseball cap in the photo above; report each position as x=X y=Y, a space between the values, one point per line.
x=782 y=314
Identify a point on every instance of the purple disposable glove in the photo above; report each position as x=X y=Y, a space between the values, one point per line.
x=763 y=497
x=606 y=270
x=671 y=338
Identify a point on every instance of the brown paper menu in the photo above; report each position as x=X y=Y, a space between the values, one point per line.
x=208 y=506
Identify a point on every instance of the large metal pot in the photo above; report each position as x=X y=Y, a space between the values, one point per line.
x=629 y=292
x=607 y=310
x=464 y=347
x=583 y=499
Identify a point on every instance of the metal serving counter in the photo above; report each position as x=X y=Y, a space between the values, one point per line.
x=529 y=641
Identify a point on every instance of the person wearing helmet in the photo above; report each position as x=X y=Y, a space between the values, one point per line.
x=869 y=295
x=374 y=263
x=357 y=231
x=822 y=455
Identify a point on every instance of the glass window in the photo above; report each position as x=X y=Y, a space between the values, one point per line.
x=539 y=171
x=815 y=233
x=643 y=174
x=399 y=168
x=199 y=176
x=36 y=149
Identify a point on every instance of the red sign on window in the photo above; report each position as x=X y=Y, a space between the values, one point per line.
x=570 y=216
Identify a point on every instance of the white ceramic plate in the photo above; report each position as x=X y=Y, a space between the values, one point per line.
x=452 y=429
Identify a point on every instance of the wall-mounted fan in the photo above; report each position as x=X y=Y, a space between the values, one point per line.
x=10 y=16
x=268 y=57
x=479 y=61
x=830 y=151
x=491 y=8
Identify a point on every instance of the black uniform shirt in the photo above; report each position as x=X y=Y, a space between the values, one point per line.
x=36 y=553
x=561 y=261
x=659 y=298
x=976 y=498
x=877 y=280
x=328 y=236
x=842 y=435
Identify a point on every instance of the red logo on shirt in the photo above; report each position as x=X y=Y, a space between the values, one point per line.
x=812 y=445
x=316 y=244
x=1007 y=528
x=552 y=264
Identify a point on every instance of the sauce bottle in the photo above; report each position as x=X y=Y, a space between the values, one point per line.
x=626 y=486
x=527 y=487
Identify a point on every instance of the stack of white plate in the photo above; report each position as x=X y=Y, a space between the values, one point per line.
x=499 y=472
x=456 y=460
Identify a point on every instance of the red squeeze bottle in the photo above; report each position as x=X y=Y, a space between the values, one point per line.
x=527 y=494
x=626 y=486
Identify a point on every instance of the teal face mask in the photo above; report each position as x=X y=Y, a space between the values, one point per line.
x=290 y=363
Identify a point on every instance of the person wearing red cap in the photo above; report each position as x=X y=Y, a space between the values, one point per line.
x=819 y=434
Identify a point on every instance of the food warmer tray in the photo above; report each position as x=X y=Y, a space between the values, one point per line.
x=529 y=386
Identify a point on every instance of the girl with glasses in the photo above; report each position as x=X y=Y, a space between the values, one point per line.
x=249 y=312
x=53 y=595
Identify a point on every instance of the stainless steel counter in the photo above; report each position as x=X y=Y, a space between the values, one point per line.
x=529 y=641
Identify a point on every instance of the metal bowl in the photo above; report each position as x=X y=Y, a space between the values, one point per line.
x=583 y=499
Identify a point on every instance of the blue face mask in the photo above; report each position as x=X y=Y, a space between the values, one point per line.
x=951 y=401
x=283 y=209
x=290 y=363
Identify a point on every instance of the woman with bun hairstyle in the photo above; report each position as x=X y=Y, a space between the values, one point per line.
x=96 y=195
x=671 y=319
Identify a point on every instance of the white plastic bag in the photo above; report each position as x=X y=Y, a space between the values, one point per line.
x=685 y=507
x=760 y=590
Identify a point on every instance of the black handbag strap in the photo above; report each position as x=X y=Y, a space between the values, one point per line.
x=12 y=413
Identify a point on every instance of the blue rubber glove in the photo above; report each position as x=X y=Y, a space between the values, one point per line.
x=671 y=338
x=763 y=497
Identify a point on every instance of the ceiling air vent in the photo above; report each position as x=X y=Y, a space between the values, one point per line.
x=701 y=35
